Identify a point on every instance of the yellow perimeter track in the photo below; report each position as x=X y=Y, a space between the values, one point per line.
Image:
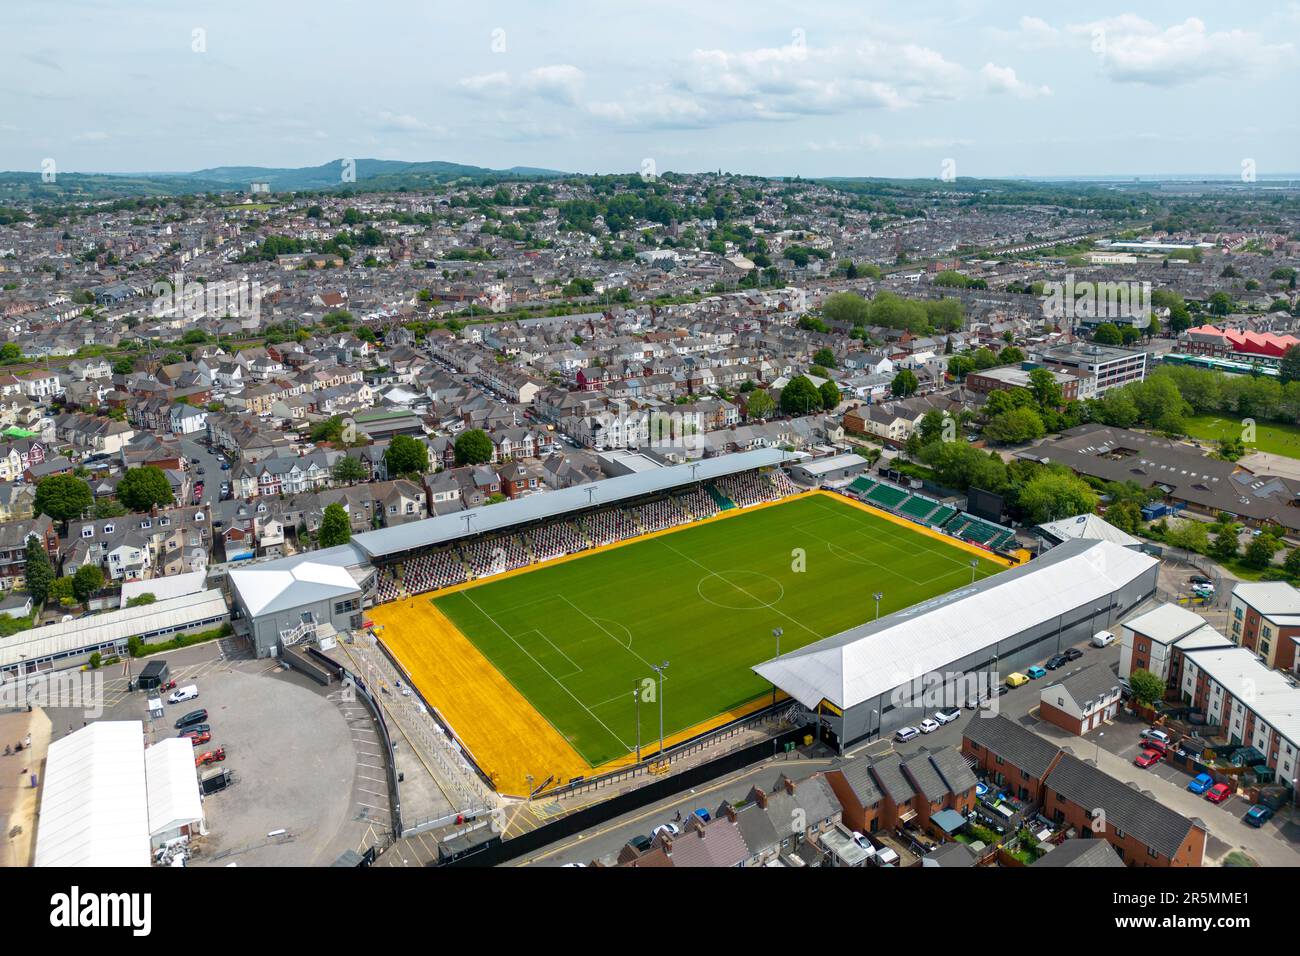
x=507 y=737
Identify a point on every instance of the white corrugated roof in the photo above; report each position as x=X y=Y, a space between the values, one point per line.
x=170 y=586
x=874 y=658
x=273 y=588
x=99 y=629
x=1264 y=691
x=94 y=807
x=172 y=784
x=1166 y=623
x=1090 y=526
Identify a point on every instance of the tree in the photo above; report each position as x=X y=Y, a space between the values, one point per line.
x=1125 y=515
x=1107 y=333
x=1047 y=393
x=406 y=456
x=63 y=497
x=759 y=404
x=1189 y=535
x=1292 y=563
x=1147 y=687
x=1224 y=546
x=123 y=366
x=473 y=447
x=830 y=394
x=141 y=600
x=1015 y=426
x=9 y=352
x=348 y=471
x=1259 y=553
x=37 y=570
x=959 y=366
x=1289 y=371
x=87 y=581
x=904 y=384
x=800 y=397
x=824 y=357
x=335 y=528
x=142 y=488
x=1053 y=495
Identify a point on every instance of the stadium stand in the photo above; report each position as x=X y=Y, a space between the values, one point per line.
x=428 y=572
x=979 y=531
x=918 y=508
x=887 y=496
x=494 y=555
x=749 y=488
x=610 y=525
x=699 y=504
x=721 y=501
x=861 y=485
x=657 y=515
x=558 y=538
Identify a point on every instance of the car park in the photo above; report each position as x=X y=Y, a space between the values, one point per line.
x=928 y=726
x=1016 y=680
x=1258 y=815
x=1218 y=793
x=1060 y=660
x=947 y=716
x=906 y=733
x=1036 y=672
x=1147 y=758
x=1200 y=783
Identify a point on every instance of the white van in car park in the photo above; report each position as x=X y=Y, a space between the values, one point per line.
x=180 y=694
x=1102 y=639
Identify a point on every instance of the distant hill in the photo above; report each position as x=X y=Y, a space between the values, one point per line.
x=371 y=174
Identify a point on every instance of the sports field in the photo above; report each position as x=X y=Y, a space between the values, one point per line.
x=1275 y=438
x=574 y=638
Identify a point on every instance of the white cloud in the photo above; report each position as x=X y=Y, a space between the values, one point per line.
x=1134 y=50
x=402 y=122
x=1003 y=79
x=560 y=83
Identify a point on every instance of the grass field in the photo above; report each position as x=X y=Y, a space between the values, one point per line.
x=1275 y=438
x=575 y=638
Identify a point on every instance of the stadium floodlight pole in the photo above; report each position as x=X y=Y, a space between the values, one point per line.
x=974 y=564
x=636 y=696
x=878 y=595
x=659 y=669
x=776 y=632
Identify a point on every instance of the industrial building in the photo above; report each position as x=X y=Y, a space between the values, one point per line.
x=872 y=679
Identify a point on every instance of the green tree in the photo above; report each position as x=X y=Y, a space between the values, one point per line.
x=759 y=404
x=904 y=384
x=123 y=366
x=348 y=471
x=1107 y=333
x=1053 y=495
x=1189 y=535
x=1289 y=370
x=1047 y=393
x=87 y=580
x=142 y=488
x=473 y=447
x=9 y=352
x=824 y=357
x=335 y=528
x=800 y=397
x=1224 y=546
x=1125 y=515
x=1292 y=563
x=959 y=366
x=37 y=570
x=406 y=456
x=1147 y=687
x=1015 y=426
x=63 y=497
x=830 y=395
x=1260 y=551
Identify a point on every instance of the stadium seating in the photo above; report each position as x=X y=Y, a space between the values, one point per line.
x=428 y=572
x=750 y=488
x=887 y=496
x=943 y=514
x=918 y=508
x=494 y=555
x=657 y=515
x=979 y=531
x=609 y=525
x=557 y=538
x=698 y=504
x=861 y=485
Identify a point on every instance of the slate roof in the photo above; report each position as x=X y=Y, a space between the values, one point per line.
x=1085 y=853
x=1138 y=815
x=1013 y=743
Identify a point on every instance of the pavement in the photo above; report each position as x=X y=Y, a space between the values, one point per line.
x=212 y=477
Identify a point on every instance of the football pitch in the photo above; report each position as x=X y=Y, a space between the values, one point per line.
x=578 y=637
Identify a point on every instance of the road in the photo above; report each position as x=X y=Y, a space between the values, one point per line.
x=212 y=477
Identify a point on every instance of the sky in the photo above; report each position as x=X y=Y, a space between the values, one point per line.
x=923 y=89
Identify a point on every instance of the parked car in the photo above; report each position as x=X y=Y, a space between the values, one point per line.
x=196 y=737
x=1159 y=746
x=181 y=694
x=193 y=717
x=641 y=842
x=929 y=726
x=1200 y=783
x=1258 y=815
x=1103 y=639
x=1060 y=660
x=1147 y=758
x=1036 y=672
x=1072 y=654
x=1016 y=680
x=862 y=842
x=669 y=829
x=1218 y=793
x=947 y=716
x=1199 y=579
x=1152 y=733
x=703 y=814
x=906 y=733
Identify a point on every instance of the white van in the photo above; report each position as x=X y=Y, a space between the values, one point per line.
x=180 y=694
x=1103 y=639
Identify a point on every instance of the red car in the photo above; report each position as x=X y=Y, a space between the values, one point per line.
x=1159 y=746
x=1218 y=793
x=1147 y=758
x=197 y=737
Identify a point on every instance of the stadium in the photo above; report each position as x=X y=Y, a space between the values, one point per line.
x=565 y=635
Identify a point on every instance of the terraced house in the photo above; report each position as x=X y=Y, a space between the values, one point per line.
x=285 y=474
x=137 y=546
x=93 y=434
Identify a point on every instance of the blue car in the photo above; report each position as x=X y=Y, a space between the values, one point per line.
x=1200 y=783
x=1258 y=815
x=1036 y=672
x=702 y=814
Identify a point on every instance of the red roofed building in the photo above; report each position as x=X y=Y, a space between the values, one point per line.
x=1264 y=348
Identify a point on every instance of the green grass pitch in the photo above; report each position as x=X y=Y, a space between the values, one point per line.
x=576 y=638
